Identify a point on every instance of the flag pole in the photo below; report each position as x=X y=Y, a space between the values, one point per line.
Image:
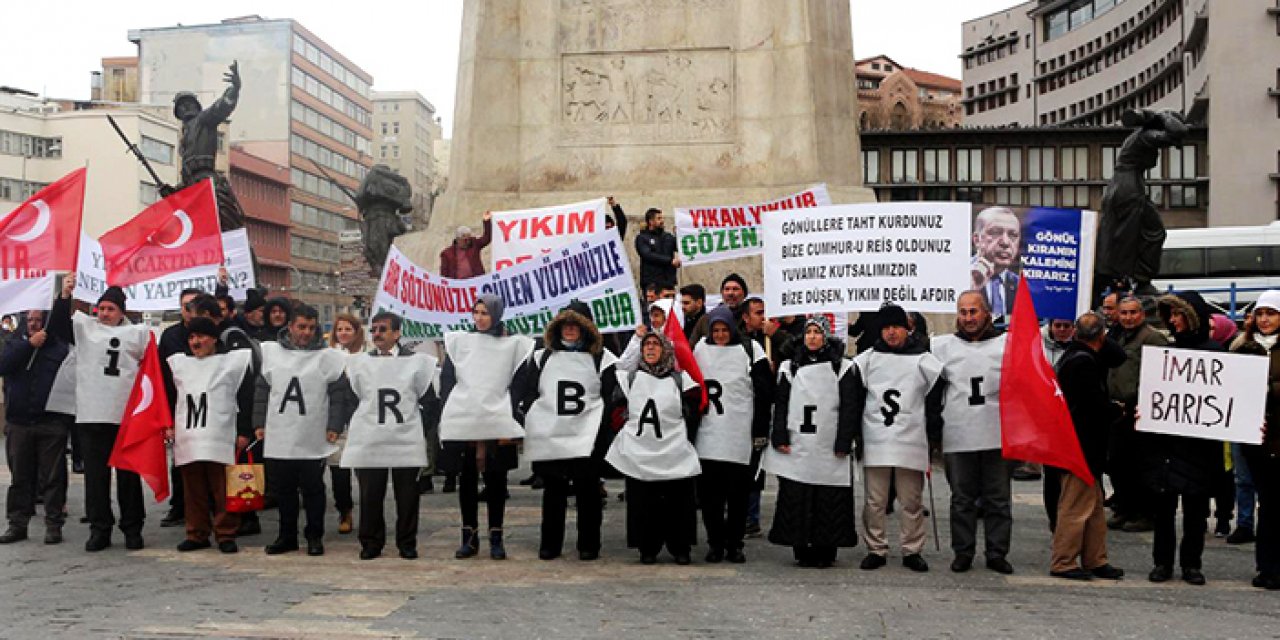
x=933 y=508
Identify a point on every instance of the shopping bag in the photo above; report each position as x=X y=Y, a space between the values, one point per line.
x=245 y=485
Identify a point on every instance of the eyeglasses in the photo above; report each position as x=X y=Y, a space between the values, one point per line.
x=381 y=329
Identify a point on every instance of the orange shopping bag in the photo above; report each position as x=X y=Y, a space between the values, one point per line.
x=245 y=484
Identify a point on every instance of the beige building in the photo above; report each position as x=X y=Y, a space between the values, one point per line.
x=891 y=96
x=405 y=132
x=303 y=105
x=1084 y=62
x=43 y=140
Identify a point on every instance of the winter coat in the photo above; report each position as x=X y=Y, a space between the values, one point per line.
x=28 y=376
x=1082 y=376
x=337 y=422
x=656 y=248
x=1181 y=464
x=849 y=428
x=1122 y=384
x=1248 y=345
x=465 y=262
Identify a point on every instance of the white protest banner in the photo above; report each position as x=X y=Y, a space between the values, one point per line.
x=839 y=322
x=162 y=294
x=1202 y=394
x=21 y=294
x=519 y=236
x=711 y=234
x=595 y=270
x=856 y=257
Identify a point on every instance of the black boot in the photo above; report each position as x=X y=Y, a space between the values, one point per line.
x=496 y=550
x=470 y=544
x=14 y=534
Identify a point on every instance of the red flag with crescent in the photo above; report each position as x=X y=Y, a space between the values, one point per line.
x=43 y=233
x=140 y=443
x=174 y=234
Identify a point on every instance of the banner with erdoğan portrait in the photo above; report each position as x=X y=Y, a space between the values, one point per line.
x=711 y=234
x=595 y=270
x=162 y=294
x=1052 y=248
x=856 y=257
x=524 y=234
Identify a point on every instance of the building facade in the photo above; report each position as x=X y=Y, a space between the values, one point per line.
x=262 y=186
x=1029 y=166
x=303 y=105
x=44 y=140
x=1084 y=62
x=891 y=96
x=405 y=132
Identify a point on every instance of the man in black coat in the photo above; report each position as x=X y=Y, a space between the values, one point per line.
x=657 y=251
x=35 y=439
x=1081 y=530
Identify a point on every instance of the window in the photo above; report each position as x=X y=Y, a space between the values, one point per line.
x=1075 y=196
x=870 y=166
x=1182 y=262
x=1005 y=195
x=1008 y=165
x=1041 y=196
x=156 y=151
x=969 y=165
x=1074 y=162
x=967 y=194
x=1182 y=166
x=21 y=144
x=1239 y=261
x=937 y=165
x=1040 y=164
x=148 y=193
x=1109 y=162
x=905 y=169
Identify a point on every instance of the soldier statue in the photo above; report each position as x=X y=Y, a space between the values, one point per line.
x=1131 y=234
x=383 y=196
x=198 y=145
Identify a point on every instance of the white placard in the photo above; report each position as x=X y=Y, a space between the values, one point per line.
x=1202 y=394
x=522 y=235
x=711 y=234
x=26 y=293
x=856 y=257
x=162 y=294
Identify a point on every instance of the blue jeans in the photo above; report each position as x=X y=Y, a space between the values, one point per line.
x=753 y=508
x=1246 y=495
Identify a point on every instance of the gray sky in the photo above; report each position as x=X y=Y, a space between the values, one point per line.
x=51 y=46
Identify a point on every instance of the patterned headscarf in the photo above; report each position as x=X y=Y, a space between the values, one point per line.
x=666 y=362
x=819 y=320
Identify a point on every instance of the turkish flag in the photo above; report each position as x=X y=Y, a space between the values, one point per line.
x=43 y=234
x=1035 y=425
x=174 y=234
x=684 y=355
x=140 y=442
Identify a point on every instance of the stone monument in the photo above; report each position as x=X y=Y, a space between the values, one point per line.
x=660 y=103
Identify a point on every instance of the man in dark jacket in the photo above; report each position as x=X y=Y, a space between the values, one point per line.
x=275 y=317
x=1081 y=530
x=35 y=439
x=1173 y=467
x=657 y=251
x=693 y=301
x=1132 y=502
x=461 y=259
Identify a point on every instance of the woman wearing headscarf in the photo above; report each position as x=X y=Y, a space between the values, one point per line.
x=739 y=383
x=654 y=450
x=561 y=393
x=478 y=424
x=815 y=424
x=1262 y=338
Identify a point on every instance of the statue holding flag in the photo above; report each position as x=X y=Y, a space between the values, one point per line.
x=198 y=145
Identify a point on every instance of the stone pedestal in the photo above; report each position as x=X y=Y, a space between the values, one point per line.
x=660 y=103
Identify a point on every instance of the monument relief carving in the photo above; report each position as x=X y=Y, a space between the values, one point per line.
x=625 y=25
x=647 y=97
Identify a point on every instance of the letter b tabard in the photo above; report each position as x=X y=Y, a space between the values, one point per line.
x=569 y=398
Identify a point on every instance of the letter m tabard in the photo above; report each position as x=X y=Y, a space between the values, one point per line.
x=197 y=412
x=389 y=401
x=293 y=393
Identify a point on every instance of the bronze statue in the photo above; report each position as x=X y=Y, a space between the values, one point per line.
x=198 y=145
x=1131 y=234
x=383 y=195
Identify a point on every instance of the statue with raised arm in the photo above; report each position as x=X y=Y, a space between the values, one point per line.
x=382 y=197
x=198 y=144
x=1131 y=234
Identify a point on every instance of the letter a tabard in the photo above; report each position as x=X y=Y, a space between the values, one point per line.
x=293 y=393
x=649 y=416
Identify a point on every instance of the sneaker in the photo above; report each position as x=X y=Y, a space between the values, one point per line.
x=873 y=561
x=175 y=518
x=962 y=564
x=13 y=534
x=1193 y=577
x=1000 y=565
x=228 y=546
x=1160 y=573
x=1107 y=572
x=193 y=545
x=915 y=562
x=1138 y=525
x=1242 y=535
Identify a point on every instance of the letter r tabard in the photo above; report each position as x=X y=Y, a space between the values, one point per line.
x=389 y=401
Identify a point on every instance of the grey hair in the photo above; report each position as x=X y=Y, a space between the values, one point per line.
x=982 y=295
x=1090 y=326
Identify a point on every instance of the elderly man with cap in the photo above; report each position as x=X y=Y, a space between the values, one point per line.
x=733 y=295
x=106 y=353
x=461 y=259
x=893 y=378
